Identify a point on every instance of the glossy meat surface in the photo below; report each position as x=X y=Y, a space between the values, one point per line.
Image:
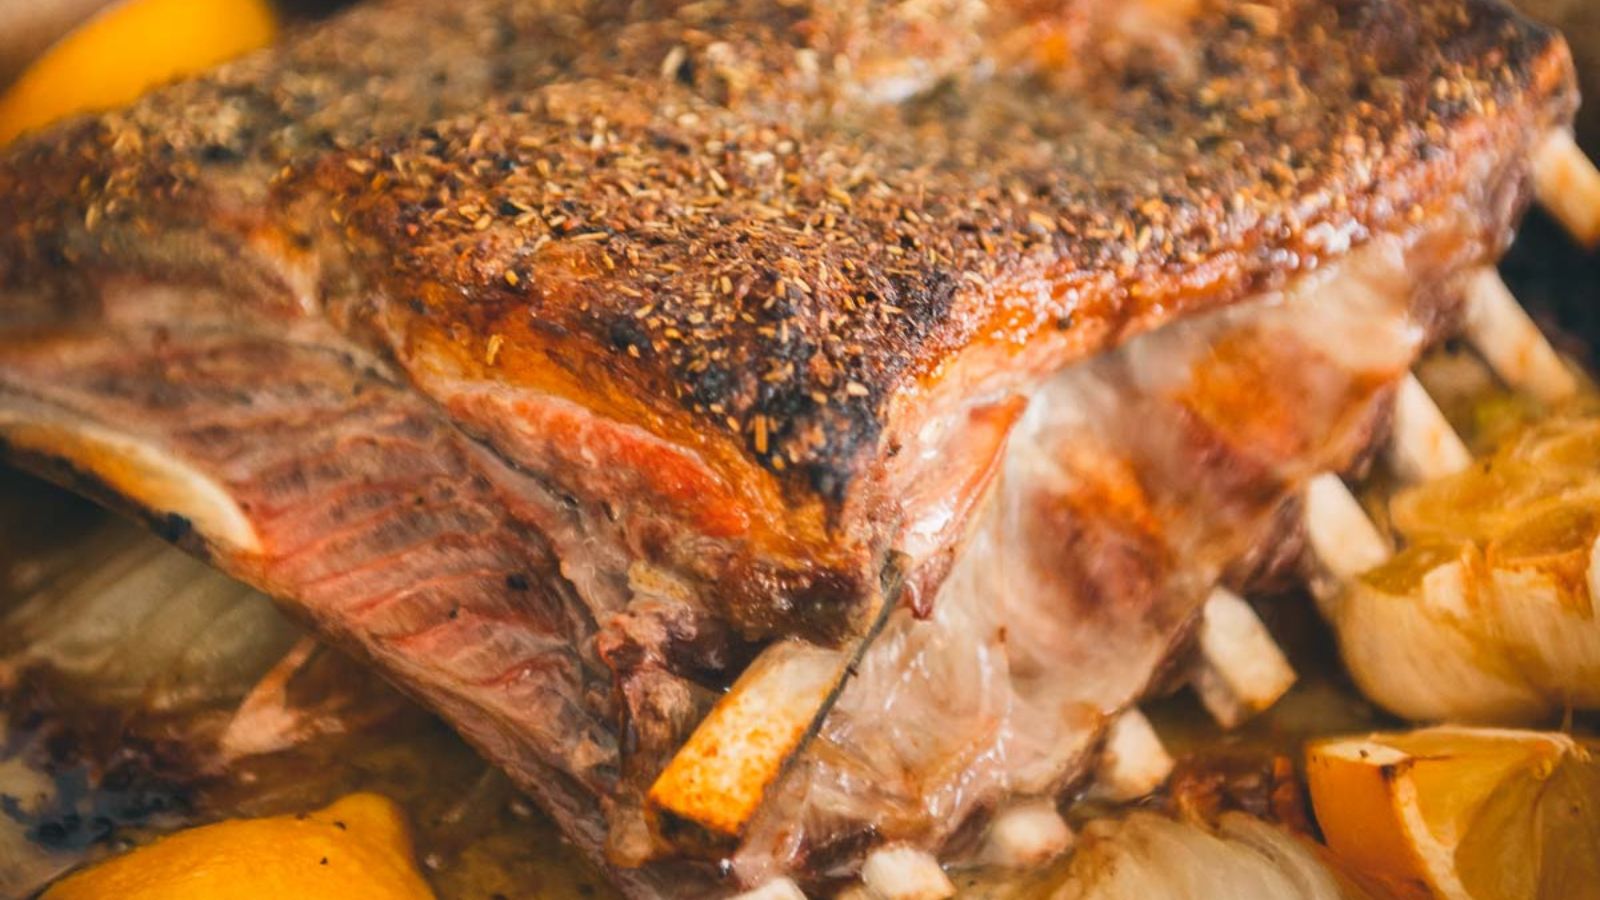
x=555 y=358
x=765 y=230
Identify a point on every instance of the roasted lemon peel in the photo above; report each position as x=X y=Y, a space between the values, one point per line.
x=356 y=849
x=127 y=49
x=1467 y=814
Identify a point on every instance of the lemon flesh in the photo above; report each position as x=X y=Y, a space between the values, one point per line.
x=128 y=49
x=1463 y=813
x=356 y=849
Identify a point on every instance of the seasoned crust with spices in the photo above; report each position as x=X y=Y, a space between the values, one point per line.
x=766 y=229
x=555 y=357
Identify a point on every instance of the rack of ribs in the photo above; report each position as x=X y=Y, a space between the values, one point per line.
x=784 y=436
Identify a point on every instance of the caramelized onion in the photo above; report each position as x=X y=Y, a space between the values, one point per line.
x=1146 y=855
x=125 y=621
x=1488 y=616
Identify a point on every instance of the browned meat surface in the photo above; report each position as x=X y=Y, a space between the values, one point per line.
x=1579 y=21
x=556 y=358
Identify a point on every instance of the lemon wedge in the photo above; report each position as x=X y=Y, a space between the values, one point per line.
x=126 y=50
x=1467 y=814
x=356 y=849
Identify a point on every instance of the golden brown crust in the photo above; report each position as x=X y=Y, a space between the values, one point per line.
x=722 y=222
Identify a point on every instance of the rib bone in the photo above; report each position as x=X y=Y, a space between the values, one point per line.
x=1512 y=344
x=898 y=872
x=1568 y=185
x=1133 y=762
x=1423 y=445
x=1026 y=835
x=133 y=468
x=1341 y=534
x=1242 y=671
x=718 y=778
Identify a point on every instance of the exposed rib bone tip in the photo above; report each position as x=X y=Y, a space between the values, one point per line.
x=1568 y=186
x=1133 y=762
x=134 y=468
x=1340 y=533
x=1026 y=835
x=776 y=889
x=1242 y=670
x=898 y=872
x=1423 y=446
x=719 y=776
x=1511 y=343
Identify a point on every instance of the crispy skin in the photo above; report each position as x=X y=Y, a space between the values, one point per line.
x=676 y=285
x=756 y=255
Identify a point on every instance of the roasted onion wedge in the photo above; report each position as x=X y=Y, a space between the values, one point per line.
x=1488 y=614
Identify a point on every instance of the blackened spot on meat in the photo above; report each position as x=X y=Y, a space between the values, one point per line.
x=822 y=605
x=220 y=153
x=828 y=481
x=844 y=845
x=686 y=72
x=552 y=328
x=713 y=385
x=626 y=335
x=695 y=838
x=517 y=581
x=663 y=141
x=927 y=298
x=172 y=527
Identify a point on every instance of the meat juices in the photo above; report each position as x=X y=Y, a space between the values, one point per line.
x=558 y=362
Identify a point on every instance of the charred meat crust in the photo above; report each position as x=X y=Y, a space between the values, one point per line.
x=764 y=233
x=711 y=221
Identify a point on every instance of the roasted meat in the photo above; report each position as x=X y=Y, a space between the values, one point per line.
x=560 y=360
